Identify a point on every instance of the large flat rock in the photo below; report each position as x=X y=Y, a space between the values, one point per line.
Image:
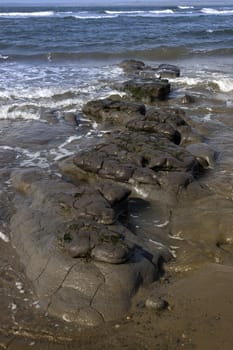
x=84 y=264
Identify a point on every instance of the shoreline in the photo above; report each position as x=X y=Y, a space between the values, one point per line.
x=213 y=254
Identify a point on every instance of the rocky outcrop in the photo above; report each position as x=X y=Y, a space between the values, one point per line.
x=147 y=91
x=85 y=262
x=113 y=111
x=144 y=163
x=135 y=67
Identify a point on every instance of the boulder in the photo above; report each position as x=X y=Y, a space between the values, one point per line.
x=168 y=71
x=130 y=66
x=147 y=91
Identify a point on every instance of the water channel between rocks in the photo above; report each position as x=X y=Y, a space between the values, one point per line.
x=194 y=226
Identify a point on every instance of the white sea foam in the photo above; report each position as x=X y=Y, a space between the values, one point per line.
x=210 y=11
x=30 y=159
x=208 y=80
x=93 y=16
x=123 y=12
x=62 y=152
x=27 y=91
x=190 y=81
x=3 y=57
x=168 y=11
x=185 y=7
x=141 y=13
x=34 y=159
x=16 y=112
x=225 y=84
x=27 y=14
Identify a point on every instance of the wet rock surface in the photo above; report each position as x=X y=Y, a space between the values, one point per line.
x=75 y=251
x=75 y=232
x=135 y=67
x=138 y=161
x=147 y=91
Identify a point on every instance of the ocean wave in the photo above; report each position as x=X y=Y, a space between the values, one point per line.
x=185 y=7
x=159 y=52
x=27 y=14
x=224 y=51
x=224 y=84
x=218 y=82
x=3 y=57
x=210 y=11
x=161 y=11
x=104 y=14
x=140 y=13
x=133 y=12
x=93 y=16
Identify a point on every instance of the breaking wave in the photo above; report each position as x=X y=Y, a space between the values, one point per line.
x=210 y=11
x=28 y=14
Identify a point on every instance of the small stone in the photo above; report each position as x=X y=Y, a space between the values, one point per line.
x=156 y=304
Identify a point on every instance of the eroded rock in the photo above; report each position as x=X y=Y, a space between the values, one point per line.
x=109 y=110
x=147 y=91
x=141 y=162
x=139 y=68
x=168 y=71
x=84 y=264
x=168 y=122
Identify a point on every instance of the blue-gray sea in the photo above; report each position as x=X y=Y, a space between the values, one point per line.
x=60 y=57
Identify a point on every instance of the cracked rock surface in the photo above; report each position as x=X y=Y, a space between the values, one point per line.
x=84 y=264
x=145 y=163
x=73 y=234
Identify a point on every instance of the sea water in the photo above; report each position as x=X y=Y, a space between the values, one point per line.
x=61 y=57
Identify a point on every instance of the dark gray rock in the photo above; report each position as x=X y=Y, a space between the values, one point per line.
x=147 y=91
x=85 y=266
x=188 y=99
x=168 y=71
x=143 y=163
x=138 y=68
x=171 y=116
x=189 y=135
x=149 y=73
x=130 y=66
x=113 y=111
x=203 y=152
x=134 y=116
